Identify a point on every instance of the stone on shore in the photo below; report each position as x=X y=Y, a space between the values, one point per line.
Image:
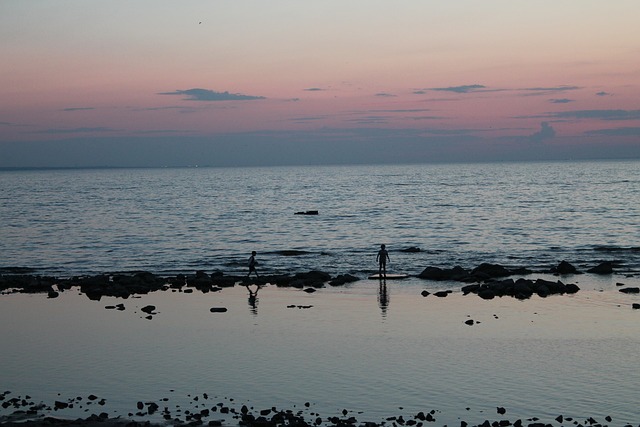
x=602 y=268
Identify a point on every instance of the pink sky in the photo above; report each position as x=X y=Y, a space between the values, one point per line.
x=499 y=71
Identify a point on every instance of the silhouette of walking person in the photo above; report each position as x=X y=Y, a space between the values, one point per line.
x=382 y=258
x=252 y=264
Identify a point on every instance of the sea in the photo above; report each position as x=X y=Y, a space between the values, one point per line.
x=372 y=350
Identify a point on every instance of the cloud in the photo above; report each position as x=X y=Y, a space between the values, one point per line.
x=75 y=130
x=607 y=115
x=313 y=89
x=603 y=94
x=560 y=88
x=197 y=94
x=546 y=132
x=387 y=95
x=460 y=89
x=599 y=114
x=560 y=101
x=627 y=131
x=419 y=92
x=78 y=109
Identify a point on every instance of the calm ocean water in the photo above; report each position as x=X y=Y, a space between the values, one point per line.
x=373 y=350
x=69 y=222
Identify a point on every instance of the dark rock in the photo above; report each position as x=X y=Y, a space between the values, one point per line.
x=438 y=274
x=470 y=289
x=310 y=290
x=307 y=213
x=635 y=306
x=630 y=290
x=501 y=410
x=602 y=268
x=149 y=309
x=218 y=309
x=469 y=322
x=53 y=294
x=442 y=294
x=571 y=288
x=491 y=270
x=564 y=268
x=425 y=293
x=486 y=294
x=342 y=279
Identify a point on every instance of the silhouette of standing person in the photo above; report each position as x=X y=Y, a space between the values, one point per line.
x=382 y=258
x=252 y=264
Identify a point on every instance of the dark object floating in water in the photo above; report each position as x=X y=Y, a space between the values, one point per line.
x=307 y=213
x=218 y=309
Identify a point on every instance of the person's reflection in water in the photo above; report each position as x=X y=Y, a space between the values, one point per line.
x=253 y=298
x=383 y=297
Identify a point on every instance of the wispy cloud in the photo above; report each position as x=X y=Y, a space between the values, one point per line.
x=385 y=95
x=536 y=91
x=78 y=109
x=313 y=89
x=198 y=94
x=627 y=131
x=603 y=94
x=608 y=115
x=75 y=130
x=560 y=101
x=460 y=89
x=599 y=114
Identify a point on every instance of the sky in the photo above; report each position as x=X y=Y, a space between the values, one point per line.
x=279 y=82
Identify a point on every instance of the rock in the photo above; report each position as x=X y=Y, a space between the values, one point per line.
x=307 y=213
x=425 y=293
x=469 y=322
x=486 y=294
x=218 y=309
x=564 y=268
x=342 y=279
x=602 y=268
x=470 y=289
x=491 y=270
x=635 y=306
x=501 y=410
x=53 y=294
x=149 y=309
x=438 y=274
x=630 y=290
x=571 y=288
x=310 y=290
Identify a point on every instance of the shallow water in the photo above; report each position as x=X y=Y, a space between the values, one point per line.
x=570 y=355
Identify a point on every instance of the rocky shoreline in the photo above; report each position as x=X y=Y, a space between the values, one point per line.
x=486 y=281
x=205 y=411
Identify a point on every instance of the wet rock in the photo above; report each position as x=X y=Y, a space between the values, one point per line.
x=307 y=213
x=630 y=290
x=486 y=293
x=218 y=309
x=425 y=293
x=442 y=294
x=564 y=268
x=602 y=268
x=53 y=294
x=149 y=309
x=490 y=270
x=469 y=322
x=635 y=306
x=343 y=279
x=439 y=274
